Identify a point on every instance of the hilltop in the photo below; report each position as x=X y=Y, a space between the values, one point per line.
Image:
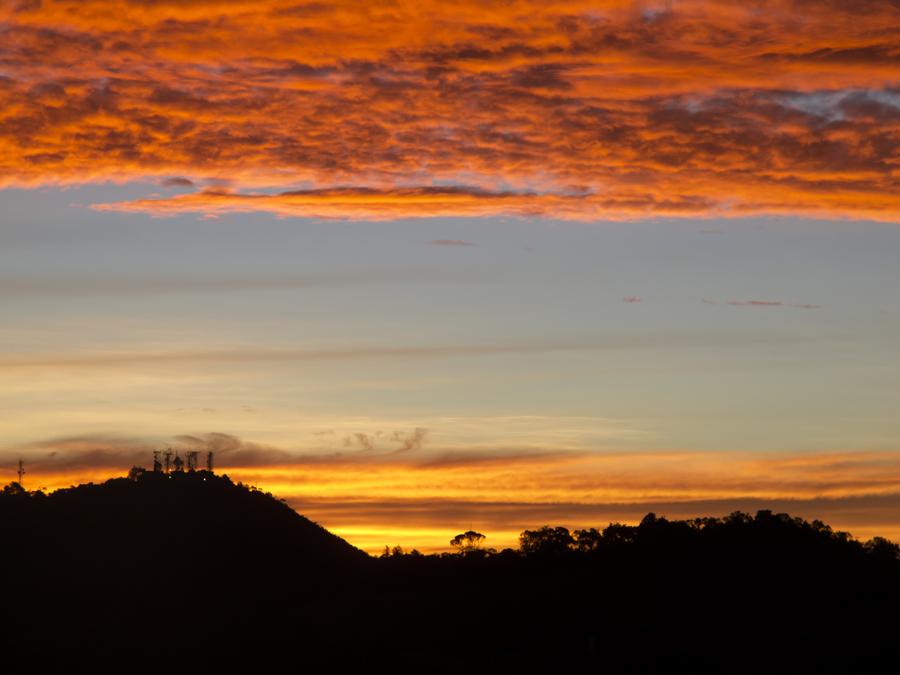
x=141 y=521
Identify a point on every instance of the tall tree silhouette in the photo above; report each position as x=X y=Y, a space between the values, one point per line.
x=468 y=541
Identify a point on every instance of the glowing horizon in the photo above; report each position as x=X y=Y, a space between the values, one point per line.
x=419 y=500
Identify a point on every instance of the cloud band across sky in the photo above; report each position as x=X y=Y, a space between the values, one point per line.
x=399 y=487
x=616 y=109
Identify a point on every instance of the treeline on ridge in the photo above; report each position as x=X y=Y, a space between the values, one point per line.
x=736 y=529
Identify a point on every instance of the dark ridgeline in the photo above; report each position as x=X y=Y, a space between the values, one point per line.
x=187 y=572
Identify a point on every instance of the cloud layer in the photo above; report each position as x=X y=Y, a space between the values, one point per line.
x=583 y=110
x=402 y=486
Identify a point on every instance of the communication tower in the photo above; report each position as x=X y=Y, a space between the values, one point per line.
x=209 y=462
x=21 y=470
x=157 y=464
x=168 y=457
x=192 y=460
x=178 y=463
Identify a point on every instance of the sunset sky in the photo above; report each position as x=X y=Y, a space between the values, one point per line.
x=419 y=267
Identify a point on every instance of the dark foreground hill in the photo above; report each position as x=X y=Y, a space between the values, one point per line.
x=190 y=573
x=160 y=565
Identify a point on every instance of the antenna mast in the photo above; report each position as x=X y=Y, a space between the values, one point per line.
x=209 y=462
x=21 y=470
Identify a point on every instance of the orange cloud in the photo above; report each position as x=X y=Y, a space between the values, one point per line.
x=570 y=109
x=382 y=204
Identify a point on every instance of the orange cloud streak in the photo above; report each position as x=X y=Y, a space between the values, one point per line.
x=618 y=108
x=420 y=497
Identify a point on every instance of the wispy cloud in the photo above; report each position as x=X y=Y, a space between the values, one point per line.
x=125 y=359
x=771 y=303
x=756 y=303
x=411 y=442
x=125 y=284
x=177 y=182
x=357 y=203
x=450 y=242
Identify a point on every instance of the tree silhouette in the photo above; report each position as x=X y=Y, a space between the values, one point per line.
x=467 y=541
x=14 y=488
x=546 y=541
x=587 y=541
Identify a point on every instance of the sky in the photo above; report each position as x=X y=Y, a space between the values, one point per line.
x=419 y=267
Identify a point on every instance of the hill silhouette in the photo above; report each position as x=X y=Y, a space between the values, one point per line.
x=159 y=562
x=188 y=572
x=141 y=520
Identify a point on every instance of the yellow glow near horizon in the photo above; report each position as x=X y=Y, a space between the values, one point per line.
x=385 y=501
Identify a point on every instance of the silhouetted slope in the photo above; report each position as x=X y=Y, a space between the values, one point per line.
x=209 y=521
x=174 y=561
